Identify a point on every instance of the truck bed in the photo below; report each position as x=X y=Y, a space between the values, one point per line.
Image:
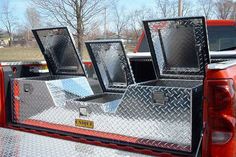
x=21 y=144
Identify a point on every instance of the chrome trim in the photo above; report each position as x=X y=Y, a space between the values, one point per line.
x=222 y=65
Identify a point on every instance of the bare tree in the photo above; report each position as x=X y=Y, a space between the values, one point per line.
x=233 y=13
x=77 y=14
x=33 y=17
x=8 y=20
x=224 y=8
x=93 y=32
x=187 y=7
x=206 y=7
x=136 y=20
x=169 y=8
x=120 y=19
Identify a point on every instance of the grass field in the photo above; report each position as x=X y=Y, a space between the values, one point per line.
x=20 y=54
x=30 y=54
x=24 y=54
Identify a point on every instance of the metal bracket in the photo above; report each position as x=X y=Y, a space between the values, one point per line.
x=200 y=142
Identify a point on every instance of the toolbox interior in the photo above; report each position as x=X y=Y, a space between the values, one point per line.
x=101 y=98
x=173 y=83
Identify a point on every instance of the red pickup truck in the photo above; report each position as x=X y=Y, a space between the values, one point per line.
x=218 y=133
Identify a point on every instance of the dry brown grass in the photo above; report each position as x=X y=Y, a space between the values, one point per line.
x=20 y=54
x=32 y=54
x=25 y=54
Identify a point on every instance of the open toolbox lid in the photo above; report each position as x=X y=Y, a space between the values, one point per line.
x=58 y=48
x=179 y=47
x=111 y=65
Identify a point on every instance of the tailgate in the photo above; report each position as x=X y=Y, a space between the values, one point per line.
x=20 y=144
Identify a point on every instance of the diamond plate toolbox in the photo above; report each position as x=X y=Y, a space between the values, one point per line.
x=148 y=114
x=159 y=114
x=31 y=96
x=151 y=114
x=67 y=79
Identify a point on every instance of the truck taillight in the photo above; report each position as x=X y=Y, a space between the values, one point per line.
x=223 y=96
x=222 y=130
x=219 y=137
x=220 y=117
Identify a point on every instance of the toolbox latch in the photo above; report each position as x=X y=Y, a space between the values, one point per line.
x=158 y=98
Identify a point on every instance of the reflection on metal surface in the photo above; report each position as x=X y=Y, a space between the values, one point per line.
x=178 y=46
x=184 y=38
x=222 y=65
x=20 y=144
x=111 y=64
x=37 y=94
x=58 y=48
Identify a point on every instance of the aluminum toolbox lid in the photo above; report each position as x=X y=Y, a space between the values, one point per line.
x=179 y=47
x=111 y=65
x=58 y=48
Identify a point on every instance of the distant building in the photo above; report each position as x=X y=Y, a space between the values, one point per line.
x=4 y=42
x=4 y=38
